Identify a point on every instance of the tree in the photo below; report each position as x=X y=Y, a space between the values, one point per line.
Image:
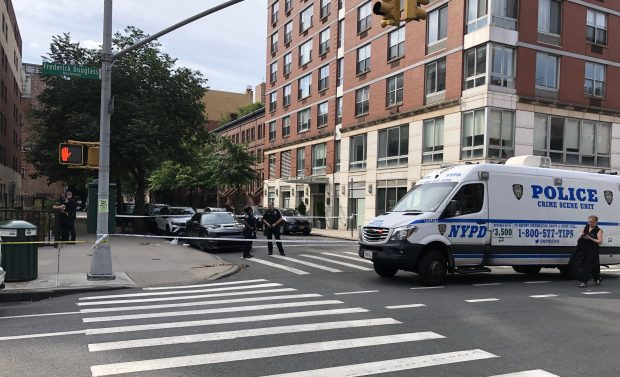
x=157 y=109
x=241 y=111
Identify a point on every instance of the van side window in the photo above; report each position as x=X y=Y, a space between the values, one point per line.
x=469 y=199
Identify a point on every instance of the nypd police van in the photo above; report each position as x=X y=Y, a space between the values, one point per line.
x=464 y=218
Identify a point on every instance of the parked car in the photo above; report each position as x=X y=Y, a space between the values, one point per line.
x=2 y=274
x=215 y=225
x=258 y=213
x=294 y=222
x=152 y=210
x=124 y=209
x=171 y=220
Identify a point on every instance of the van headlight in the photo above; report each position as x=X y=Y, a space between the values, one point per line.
x=403 y=233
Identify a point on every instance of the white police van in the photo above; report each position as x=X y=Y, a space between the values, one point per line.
x=2 y=272
x=464 y=218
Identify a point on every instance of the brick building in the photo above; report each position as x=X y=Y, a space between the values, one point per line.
x=219 y=103
x=10 y=96
x=357 y=113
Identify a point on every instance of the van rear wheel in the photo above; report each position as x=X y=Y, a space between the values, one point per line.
x=433 y=268
x=528 y=270
x=385 y=271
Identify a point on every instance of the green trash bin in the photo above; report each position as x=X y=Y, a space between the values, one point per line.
x=21 y=262
x=91 y=211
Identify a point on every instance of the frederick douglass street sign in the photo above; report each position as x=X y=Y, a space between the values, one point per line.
x=70 y=70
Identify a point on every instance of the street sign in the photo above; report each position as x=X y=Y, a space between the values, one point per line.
x=71 y=154
x=70 y=70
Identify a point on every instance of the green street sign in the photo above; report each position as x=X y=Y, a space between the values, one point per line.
x=70 y=70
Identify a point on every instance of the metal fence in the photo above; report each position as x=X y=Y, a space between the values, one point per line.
x=46 y=221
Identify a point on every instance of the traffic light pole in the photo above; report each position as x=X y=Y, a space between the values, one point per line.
x=101 y=262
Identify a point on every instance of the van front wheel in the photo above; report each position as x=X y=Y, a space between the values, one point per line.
x=528 y=270
x=433 y=268
x=385 y=271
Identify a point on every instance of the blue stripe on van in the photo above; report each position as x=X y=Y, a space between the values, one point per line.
x=510 y=221
x=513 y=255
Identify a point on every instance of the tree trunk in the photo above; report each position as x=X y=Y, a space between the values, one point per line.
x=119 y=191
x=140 y=177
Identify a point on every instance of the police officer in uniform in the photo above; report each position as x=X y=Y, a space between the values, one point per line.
x=250 y=224
x=272 y=219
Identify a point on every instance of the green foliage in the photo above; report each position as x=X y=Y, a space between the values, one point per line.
x=241 y=111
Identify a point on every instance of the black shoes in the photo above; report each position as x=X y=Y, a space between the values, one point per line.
x=248 y=256
x=597 y=281
x=583 y=285
x=282 y=254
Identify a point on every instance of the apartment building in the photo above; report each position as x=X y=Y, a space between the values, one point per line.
x=356 y=113
x=10 y=96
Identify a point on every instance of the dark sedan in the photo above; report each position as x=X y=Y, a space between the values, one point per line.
x=215 y=225
x=294 y=222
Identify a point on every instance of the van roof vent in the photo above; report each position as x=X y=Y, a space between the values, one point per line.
x=531 y=161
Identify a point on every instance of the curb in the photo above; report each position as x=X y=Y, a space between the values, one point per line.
x=44 y=294
x=346 y=238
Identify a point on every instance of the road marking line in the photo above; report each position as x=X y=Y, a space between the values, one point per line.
x=199 y=303
x=280 y=266
x=537 y=282
x=306 y=263
x=611 y=270
x=422 y=288
x=351 y=253
x=405 y=306
x=529 y=373
x=394 y=365
x=543 y=296
x=233 y=309
x=486 y=284
x=596 y=293
x=259 y=353
x=38 y=315
x=221 y=321
x=355 y=292
x=357 y=259
x=482 y=300
x=158 y=299
x=236 y=288
x=42 y=335
x=336 y=262
x=235 y=334
x=204 y=285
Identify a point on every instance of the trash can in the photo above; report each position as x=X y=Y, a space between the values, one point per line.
x=20 y=262
x=93 y=207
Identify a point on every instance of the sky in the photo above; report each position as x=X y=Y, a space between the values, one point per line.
x=228 y=47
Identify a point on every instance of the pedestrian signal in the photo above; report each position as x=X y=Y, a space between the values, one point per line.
x=71 y=154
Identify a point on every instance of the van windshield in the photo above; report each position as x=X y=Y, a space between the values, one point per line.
x=424 y=198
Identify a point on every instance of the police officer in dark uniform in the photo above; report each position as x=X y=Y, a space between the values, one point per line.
x=272 y=219
x=71 y=209
x=250 y=224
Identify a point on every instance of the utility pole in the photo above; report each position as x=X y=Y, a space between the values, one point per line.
x=101 y=262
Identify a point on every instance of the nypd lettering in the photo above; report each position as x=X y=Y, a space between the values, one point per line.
x=564 y=197
x=467 y=231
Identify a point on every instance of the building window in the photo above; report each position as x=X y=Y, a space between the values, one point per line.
x=286 y=95
x=260 y=131
x=476 y=14
x=301 y=161
x=303 y=120
x=288 y=32
x=305 y=53
x=363 y=17
x=596 y=27
x=274 y=42
x=361 y=101
x=322 y=113
x=285 y=164
x=363 y=59
x=275 y=9
x=393 y=147
x=389 y=193
x=324 y=77
x=325 y=8
x=273 y=71
x=337 y=155
x=437 y=25
x=475 y=67
x=318 y=159
x=272 y=166
x=273 y=101
x=305 y=85
x=272 y=131
x=505 y=13
x=572 y=141
x=502 y=66
x=550 y=16
x=305 y=19
x=595 y=80
x=547 y=71
x=357 y=160
x=435 y=77
x=288 y=5
x=472 y=142
x=500 y=130
x=432 y=141
x=324 y=41
x=338 y=110
x=340 y=33
x=394 y=87
x=340 y=73
x=286 y=126
x=288 y=60
x=396 y=44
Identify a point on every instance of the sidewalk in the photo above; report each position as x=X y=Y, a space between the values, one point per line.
x=335 y=233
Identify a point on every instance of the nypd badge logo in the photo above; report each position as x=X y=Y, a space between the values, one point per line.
x=609 y=196
x=442 y=229
x=517 y=189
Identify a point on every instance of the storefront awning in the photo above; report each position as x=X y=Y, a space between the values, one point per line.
x=307 y=180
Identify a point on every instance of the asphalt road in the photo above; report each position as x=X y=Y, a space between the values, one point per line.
x=312 y=315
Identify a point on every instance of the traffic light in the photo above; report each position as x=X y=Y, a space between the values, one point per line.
x=389 y=10
x=413 y=12
x=71 y=154
x=93 y=157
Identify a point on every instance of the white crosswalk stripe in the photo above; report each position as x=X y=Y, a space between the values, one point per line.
x=529 y=373
x=306 y=263
x=280 y=266
x=336 y=262
x=357 y=259
x=204 y=285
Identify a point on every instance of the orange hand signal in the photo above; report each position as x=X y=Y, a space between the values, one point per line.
x=65 y=154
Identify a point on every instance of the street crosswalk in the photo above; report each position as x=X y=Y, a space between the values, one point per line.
x=245 y=322
x=304 y=264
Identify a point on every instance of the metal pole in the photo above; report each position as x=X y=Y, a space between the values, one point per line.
x=101 y=263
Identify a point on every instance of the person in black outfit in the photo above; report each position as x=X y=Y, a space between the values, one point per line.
x=587 y=255
x=63 y=218
x=272 y=219
x=249 y=231
x=71 y=209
